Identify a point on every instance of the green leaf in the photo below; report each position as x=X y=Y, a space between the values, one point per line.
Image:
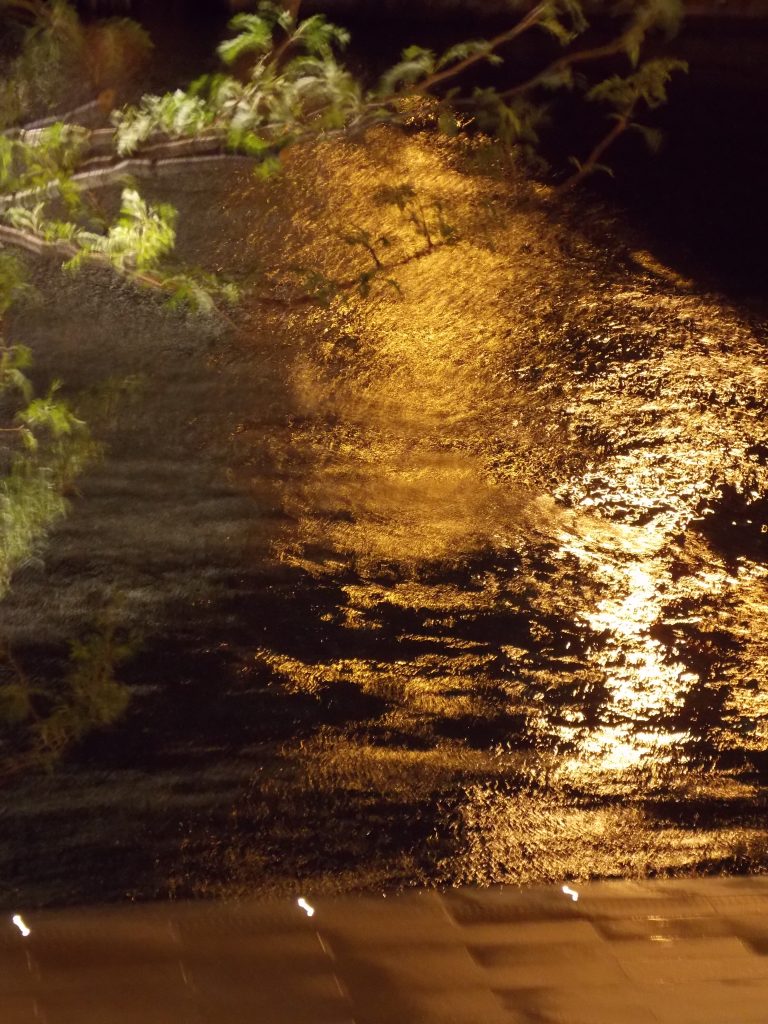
x=13 y=283
x=318 y=37
x=653 y=136
x=461 y=51
x=417 y=63
x=247 y=142
x=29 y=440
x=141 y=236
x=255 y=37
x=268 y=168
x=648 y=84
x=563 y=19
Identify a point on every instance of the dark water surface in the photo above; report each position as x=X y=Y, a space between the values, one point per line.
x=464 y=581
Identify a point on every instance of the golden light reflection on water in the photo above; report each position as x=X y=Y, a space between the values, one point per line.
x=436 y=429
x=402 y=471
x=643 y=682
x=400 y=427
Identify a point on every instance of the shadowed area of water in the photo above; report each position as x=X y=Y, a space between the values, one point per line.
x=460 y=581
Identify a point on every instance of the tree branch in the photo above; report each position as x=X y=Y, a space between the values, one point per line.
x=529 y=21
x=344 y=284
x=644 y=22
x=40 y=246
x=147 y=279
x=590 y=164
x=110 y=174
x=31 y=243
x=566 y=61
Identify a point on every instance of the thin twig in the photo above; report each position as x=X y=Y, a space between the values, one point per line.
x=566 y=61
x=592 y=161
x=529 y=21
x=343 y=285
x=644 y=22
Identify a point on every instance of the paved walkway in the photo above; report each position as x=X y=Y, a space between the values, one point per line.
x=672 y=952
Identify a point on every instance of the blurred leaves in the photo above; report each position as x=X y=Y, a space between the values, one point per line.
x=41 y=718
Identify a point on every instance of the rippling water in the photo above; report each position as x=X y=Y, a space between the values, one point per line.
x=462 y=581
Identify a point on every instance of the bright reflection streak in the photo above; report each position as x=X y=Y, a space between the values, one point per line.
x=571 y=892
x=642 y=680
x=19 y=922
x=306 y=907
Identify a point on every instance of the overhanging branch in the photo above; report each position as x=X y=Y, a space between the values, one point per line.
x=528 y=22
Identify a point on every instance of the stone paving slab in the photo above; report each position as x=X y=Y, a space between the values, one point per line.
x=707 y=1002
x=667 y=952
x=532 y=933
x=610 y=1004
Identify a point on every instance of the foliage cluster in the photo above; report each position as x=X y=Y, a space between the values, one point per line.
x=61 y=61
x=284 y=83
x=42 y=718
x=44 y=446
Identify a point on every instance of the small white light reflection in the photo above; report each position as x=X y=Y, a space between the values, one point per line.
x=306 y=907
x=570 y=892
x=18 y=920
